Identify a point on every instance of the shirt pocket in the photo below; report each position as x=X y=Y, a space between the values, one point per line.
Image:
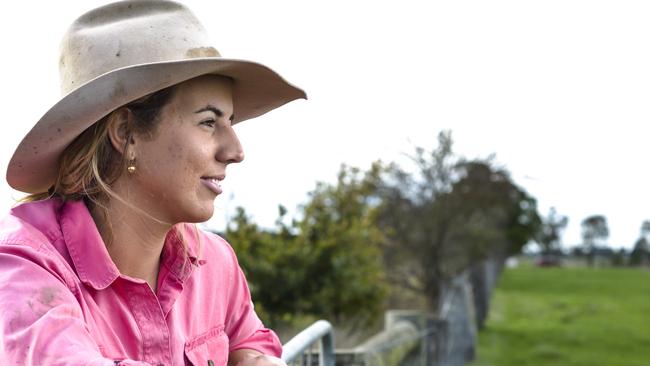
x=212 y=346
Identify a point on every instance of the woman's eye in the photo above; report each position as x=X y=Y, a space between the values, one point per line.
x=208 y=122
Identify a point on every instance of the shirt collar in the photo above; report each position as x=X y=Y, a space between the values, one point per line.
x=95 y=266
x=86 y=247
x=179 y=252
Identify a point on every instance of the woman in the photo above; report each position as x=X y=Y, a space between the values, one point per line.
x=102 y=265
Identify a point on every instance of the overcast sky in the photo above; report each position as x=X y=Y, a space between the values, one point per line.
x=559 y=90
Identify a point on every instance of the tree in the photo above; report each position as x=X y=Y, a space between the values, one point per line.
x=640 y=255
x=645 y=229
x=508 y=210
x=410 y=214
x=499 y=219
x=339 y=227
x=325 y=264
x=447 y=215
x=550 y=233
x=594 y=232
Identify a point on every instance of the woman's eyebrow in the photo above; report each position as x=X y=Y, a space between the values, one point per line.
x=213 y=109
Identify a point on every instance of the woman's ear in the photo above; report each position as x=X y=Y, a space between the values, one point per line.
x=119 y=131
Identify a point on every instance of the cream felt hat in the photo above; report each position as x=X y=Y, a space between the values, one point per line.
x=120 y=52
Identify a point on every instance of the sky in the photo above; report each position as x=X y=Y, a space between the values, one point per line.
x=558 y=90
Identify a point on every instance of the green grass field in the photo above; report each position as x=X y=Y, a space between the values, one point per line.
x=568 y=316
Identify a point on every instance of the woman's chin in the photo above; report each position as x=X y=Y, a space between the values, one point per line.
x=201 y=215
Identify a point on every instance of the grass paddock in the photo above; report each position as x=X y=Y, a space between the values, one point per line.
x=568 y=316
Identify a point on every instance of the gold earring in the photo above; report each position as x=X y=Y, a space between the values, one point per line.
x=130 y=166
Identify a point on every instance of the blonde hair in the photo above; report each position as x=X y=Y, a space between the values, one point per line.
x=90 y=165
x=87 y=167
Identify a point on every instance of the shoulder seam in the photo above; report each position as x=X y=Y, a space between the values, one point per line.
x=54 y=255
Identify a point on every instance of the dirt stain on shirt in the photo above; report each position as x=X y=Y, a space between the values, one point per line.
x=47 y=295
x=44 y=299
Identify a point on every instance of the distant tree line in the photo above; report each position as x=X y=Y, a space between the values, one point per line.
x=595 y=232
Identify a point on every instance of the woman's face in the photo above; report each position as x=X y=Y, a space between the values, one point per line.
x=178 y=170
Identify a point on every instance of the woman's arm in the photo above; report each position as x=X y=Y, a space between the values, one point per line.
x=244 y=329
x=250 y=357
x=41 y=322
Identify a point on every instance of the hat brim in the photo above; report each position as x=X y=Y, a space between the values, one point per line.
x=34 y=165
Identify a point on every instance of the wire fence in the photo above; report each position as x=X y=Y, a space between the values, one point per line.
x=410 y=338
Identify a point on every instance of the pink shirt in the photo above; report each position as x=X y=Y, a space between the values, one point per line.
x=64 y=302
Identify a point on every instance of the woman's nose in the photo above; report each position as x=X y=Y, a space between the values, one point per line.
x=230 y=149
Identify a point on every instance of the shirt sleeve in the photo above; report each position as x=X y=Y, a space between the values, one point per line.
x=41 y=322
x=244 y=329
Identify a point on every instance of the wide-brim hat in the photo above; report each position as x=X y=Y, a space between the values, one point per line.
x=123 y=51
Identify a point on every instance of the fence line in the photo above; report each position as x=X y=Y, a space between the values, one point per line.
x=410 y=337
x=320 y=332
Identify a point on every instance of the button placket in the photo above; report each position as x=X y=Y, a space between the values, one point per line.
x=151 y=322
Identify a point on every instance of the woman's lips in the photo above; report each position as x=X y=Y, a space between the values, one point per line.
x=212 y=184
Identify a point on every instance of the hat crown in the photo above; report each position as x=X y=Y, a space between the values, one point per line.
x=129 y=33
